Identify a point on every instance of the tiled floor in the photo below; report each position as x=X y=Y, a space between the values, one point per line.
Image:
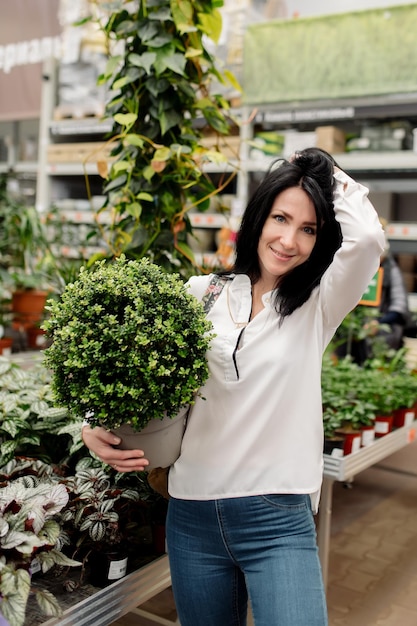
x=373 y=555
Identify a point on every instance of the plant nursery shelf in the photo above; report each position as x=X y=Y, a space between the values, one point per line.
x=345 y=468
x=198 y=220
x=107 y=605
x=85 y=126
x=348 y=466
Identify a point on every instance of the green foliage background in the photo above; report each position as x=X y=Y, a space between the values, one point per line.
x=356 y=54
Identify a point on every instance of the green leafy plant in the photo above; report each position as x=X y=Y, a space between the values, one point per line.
x=31 y=423
x=93 y=509
x=356 y=327
x=29 y=528
x=405 y=390
x=24 y=243
x=346 y=397
x=99 y=512
x=353 y=395
x=128 y=344
x=332 y=421
x=160 y=88
x=390 y=381
x=387 y=359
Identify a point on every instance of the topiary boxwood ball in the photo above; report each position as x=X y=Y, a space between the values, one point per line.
x=129 y=344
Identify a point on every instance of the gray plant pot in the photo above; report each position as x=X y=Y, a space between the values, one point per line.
x=160 y=439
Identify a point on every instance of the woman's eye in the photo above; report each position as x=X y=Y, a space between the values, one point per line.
x=309 y=230
x=279 y=218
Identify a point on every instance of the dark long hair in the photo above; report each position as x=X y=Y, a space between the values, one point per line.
x=311 y=170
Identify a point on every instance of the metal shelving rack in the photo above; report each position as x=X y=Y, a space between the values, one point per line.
x=380 y=171
x=345 y=468
x=119 y=598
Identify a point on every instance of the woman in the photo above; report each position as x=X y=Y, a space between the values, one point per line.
x=246 y=486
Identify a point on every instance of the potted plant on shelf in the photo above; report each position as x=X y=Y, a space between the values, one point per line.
x=331 y=424
x=393 y=374
x=384 y=400
x=405 y=394
x=346 y=405
x=101 y=521
x=128 y=352
x=6 y=335
x=24 y=249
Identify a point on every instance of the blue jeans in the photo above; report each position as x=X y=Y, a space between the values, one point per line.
x=264 y=547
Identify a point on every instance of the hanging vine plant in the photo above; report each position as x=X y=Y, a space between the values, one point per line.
x=159 y=86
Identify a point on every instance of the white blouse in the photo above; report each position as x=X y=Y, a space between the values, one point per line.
x=256 y=427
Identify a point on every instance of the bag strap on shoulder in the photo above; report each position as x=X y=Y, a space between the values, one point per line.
x=213 y=291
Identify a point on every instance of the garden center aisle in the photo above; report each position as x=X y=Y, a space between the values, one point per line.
x=373 y=550
x=373 y=555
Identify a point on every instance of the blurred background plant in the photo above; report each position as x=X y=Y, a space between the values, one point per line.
x=161 y=102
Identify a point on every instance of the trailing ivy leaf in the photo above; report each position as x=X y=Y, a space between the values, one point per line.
x=192 y=53
x=134 y=140
x=134 y=209
x=183 y=14
x=211 y=24
x=231 y=78
x=121 y=166
x=147 y=30
x=116 y=182
x=128 y=27
x=125 y=119
x=215 y=120
x=132 y=74
x=157 y=86
x=162 y=154
x=145 y=196
x=148 y=172
x=169 y=119
x=112 y=64
x=168 y=58
x=162 y=39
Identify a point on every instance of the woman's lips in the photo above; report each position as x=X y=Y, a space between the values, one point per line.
x=281 y=255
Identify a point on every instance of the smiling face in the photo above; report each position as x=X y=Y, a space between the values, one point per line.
x=288 y=235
